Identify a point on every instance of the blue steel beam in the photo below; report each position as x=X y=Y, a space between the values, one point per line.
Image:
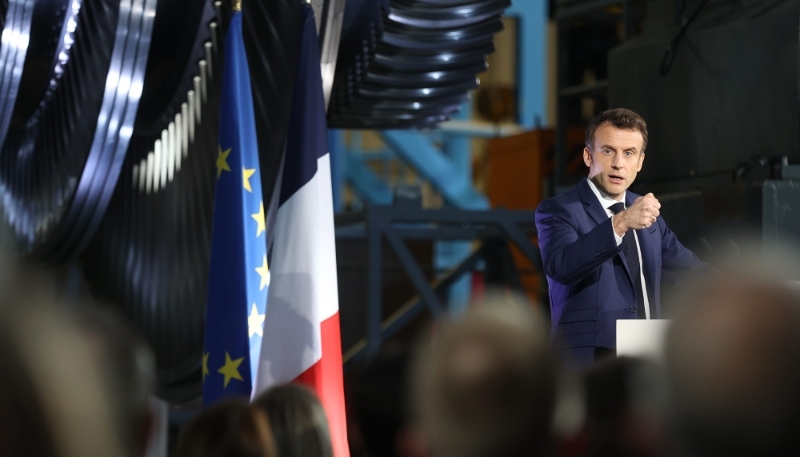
x=458 y=148
x=365 y=183
x=450 y=180
x=532 y=61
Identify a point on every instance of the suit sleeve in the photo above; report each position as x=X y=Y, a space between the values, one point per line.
x=677 y=262
x=567 y=255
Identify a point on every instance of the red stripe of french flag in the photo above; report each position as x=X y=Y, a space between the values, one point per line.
x=325 y=377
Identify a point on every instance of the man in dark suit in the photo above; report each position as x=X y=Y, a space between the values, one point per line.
x=606 y=251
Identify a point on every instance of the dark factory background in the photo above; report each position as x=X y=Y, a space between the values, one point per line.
x=446 y=128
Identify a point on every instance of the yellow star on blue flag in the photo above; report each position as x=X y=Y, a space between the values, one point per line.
x=237 y=293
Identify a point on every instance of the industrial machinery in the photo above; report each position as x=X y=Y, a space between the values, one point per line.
x=108 y=129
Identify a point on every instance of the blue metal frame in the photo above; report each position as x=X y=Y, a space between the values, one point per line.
x=447 y=254
x=395 y=225
x=366 y=183
x=532 y=60
x=449 y=169
x=430 y=162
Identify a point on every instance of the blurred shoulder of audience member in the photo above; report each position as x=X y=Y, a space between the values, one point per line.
x=298 y=421
x=231 y=428
x=623 y=417
x=380 y=400
x=485 y=384
x=54 y=400
x=130 y=371
x=733 y=361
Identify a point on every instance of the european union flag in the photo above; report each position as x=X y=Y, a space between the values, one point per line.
x=238 y=276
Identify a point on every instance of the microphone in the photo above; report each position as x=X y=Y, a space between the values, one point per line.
x=706 y=247
x=734 y=248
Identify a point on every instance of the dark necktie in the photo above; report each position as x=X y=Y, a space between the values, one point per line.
x=632 y=259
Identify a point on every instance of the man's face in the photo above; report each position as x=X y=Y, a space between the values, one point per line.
x=615 y=159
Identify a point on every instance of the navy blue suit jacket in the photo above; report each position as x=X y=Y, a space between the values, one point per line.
x=590 y=286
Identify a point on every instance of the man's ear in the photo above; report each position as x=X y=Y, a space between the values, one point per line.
x=587 y=157
x=641 y=161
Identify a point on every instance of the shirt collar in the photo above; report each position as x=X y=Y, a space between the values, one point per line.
x=605 y=200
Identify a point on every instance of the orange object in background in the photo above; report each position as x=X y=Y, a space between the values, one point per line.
x=518 y=167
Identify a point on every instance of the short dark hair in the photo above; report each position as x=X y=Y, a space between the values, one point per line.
x=485 y=384
x=620 y=118
x=229 y=427
x=298 y=421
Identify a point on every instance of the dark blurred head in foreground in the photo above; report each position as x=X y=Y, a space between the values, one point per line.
x=298 y=421
x=54 y=396
x=733 y=359
x=130 y=370
x=229 y=428
x=485 y=385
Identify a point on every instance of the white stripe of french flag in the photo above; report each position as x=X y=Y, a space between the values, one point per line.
x=301 y=341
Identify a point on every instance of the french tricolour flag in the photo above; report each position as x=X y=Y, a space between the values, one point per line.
x=301 y=341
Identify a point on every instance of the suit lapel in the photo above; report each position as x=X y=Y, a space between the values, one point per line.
x=591 y=203
x=599 y=214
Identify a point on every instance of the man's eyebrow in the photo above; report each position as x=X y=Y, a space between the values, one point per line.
x=608 y=146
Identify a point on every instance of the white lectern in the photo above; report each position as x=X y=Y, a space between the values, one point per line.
x=641 y=337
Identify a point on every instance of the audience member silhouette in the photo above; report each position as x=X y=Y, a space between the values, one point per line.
x=54 y=399
x=733 y=359
x=230 y=428
x=130 y=368
x=298 y=421
x=380 y=401
x=485 y=384
x=620 y=418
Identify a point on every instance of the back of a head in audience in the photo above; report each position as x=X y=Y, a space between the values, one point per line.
x=130 y=369
x=485 y=384
x=230 y=428
x=733 y=359
x=298 y=421
x=54 y=399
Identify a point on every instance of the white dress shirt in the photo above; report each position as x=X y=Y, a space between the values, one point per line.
x=607 y=202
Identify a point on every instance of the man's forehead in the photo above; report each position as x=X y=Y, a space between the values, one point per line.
x=608 y=135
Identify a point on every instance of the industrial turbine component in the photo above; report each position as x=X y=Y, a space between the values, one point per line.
x=108 y=147
x=410 y=63
x=150 y=256
x=72 y=116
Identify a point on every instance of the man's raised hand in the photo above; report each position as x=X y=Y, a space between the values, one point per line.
x=641 y=214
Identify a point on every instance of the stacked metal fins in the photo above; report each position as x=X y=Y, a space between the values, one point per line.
x=13 y=49
x=66 y=139
x=108 y=147
x=410 y=63
x=151 y=254
x=108 y=124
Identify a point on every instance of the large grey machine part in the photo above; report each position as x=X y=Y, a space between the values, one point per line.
x=109 y=124
x=730 y=97
x=720 y=96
